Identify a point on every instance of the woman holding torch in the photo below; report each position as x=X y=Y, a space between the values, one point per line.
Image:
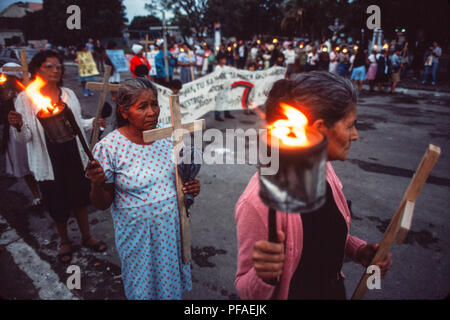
x=306 y=260
x=58 y=167
x=138 y=180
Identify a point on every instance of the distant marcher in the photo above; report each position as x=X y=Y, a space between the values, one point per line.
x=383 y=70
x=435 y=54
x=16 y=155
x=221 y=97
x=419 y=53
x=396 y=64
x=186 y=61
x=243 y=53
x=343 y=66
x=373 y=67
x=290 y=60
x=90 y=45
x=280 y=62
x=161 y=76
x=333 y=66
x=154 y=49
x=138 y=58
x=115 y=75
x=83 y=80
x=176 y=86
x=324 y=59
x=266 y=57
x=359 y=68
x=313 y=60
x=99 y=56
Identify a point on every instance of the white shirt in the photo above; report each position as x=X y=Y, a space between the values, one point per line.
x=372 y=59
x=32 y=133
x=151 y=59
x=290 y=56
x=254 y=52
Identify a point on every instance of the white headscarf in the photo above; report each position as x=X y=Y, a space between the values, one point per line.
x=136 y=48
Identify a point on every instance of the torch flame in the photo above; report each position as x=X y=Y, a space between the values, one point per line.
x=33 y=91
x=291 y=132
x=2 y=78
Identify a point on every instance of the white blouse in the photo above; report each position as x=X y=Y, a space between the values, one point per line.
x=32 y=133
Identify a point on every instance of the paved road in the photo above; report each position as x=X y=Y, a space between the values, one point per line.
x=395 y=131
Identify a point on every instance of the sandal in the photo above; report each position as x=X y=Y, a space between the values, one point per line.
x=62 y=256
x=97 y=247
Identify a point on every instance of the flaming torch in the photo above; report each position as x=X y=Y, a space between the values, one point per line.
x=57 y=119
x=300 y=183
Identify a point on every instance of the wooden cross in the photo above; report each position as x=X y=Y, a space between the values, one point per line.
x=161 y=133
x=146 y=42
x=23 y=68
x=103 y=87
x=401 y=222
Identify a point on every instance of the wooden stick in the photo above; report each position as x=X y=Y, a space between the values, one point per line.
x=101 y=103
x=412 y=192
x=184 y=219
x=162 y=133
x=98 y=86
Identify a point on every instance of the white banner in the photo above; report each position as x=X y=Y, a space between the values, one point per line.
x=230 y=89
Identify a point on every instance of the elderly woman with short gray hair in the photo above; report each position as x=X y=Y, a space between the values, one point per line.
x=308 y=257
x=138 y=180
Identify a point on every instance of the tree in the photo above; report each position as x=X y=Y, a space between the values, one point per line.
x=189 y=15
x=144 y=22
x=99 y=19
x=245 y=18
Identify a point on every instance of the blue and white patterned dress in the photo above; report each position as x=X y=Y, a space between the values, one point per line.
x=145 y=215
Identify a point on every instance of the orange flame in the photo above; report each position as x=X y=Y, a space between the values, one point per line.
x=291 y=132
x=43 y=103
x=2 y=78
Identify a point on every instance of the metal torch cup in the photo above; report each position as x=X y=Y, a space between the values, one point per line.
x=61 y=127
x=300 y=183
x=57 y=126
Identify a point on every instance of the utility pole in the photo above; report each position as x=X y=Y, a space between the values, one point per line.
x=164 y=29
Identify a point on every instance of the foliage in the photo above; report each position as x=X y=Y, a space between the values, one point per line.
x=144 y=22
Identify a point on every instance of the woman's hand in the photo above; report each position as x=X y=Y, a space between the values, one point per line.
x=268 y=258
x=192 y=187
x=15 y=119
x=366 y=253
x=95 y=173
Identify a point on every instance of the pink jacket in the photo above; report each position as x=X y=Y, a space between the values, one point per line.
x=252 y=226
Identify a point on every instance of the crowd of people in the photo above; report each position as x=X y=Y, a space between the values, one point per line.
x=374 y=66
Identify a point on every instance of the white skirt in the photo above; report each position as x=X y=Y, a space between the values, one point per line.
x=115 y=77
x=16 y=157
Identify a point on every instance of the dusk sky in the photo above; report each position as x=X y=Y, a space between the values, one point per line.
x=134 y=7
